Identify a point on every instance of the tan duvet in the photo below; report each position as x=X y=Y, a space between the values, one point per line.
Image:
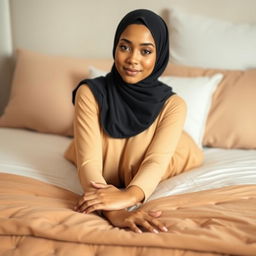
x=37 y=219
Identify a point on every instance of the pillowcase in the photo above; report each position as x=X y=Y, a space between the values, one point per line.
x=231 y=121
x=41 y=98
x=211 y=43
x=197 y=93
x=41 y=92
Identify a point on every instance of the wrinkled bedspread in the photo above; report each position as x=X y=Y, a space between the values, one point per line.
x=37 y=219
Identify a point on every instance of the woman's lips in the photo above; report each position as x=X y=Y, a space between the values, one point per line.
x=131 y=71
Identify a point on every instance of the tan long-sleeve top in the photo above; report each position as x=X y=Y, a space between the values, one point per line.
x=161 y=151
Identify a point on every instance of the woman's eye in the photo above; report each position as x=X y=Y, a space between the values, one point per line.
x=146 y=52
x=124 y=47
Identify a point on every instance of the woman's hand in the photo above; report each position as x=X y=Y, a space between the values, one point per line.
x=107 y=197
x=138 y=220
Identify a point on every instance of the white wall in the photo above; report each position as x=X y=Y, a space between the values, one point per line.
x=85 y=28
x=5 y=52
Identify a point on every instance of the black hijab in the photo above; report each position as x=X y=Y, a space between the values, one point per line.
x=128 y=109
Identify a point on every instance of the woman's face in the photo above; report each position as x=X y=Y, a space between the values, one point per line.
x=135 y=54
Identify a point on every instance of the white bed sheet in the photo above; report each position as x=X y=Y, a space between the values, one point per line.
x=40 y=156
x=222 y=167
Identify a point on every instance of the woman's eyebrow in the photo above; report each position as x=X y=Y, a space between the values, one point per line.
x=142 y=44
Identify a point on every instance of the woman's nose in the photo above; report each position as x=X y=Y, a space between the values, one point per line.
x=133 y=58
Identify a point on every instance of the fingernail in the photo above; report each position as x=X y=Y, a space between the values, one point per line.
x=155 y=231
x=165 y=229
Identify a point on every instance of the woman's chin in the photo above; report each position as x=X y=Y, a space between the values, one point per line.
x=131 y=79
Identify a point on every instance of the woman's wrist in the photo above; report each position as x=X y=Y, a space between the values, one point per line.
x=115 y=217
x=111 y=213
x=135 y=193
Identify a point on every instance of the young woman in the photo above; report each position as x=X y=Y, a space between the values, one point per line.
x=128 y=127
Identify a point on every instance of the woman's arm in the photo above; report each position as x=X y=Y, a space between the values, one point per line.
x=152 y=169
x=162 y=146
x=88 y=143
x=108 y=197
x=87 y=138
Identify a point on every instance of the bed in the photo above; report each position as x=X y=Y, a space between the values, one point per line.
x=209 y=210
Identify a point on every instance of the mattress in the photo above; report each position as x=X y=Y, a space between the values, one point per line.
x=208 y=211
x=40 y=156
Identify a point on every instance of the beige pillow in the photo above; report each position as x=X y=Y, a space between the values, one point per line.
x=231 y=122
x=41 y=92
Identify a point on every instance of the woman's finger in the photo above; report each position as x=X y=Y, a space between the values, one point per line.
x=84 y=199
x=94 y=207
x=133 y=227
x=88 y=196
x=87 y=204
x=158 y=224
x=155 y=214
x=146 y=225
x=99 y=185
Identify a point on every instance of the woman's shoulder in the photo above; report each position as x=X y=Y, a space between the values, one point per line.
x=174 y=106
x=85 y=97
x=91 y=87
x=176 y=101
x=84 y=89
x=84 y=92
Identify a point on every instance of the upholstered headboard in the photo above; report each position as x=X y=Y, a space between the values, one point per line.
x=83 y=28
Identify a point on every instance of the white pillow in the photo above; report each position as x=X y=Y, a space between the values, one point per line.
x=197 y=93
x=95 y=72
x=211 y=43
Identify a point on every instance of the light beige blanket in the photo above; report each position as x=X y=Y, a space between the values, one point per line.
x=37 y=219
